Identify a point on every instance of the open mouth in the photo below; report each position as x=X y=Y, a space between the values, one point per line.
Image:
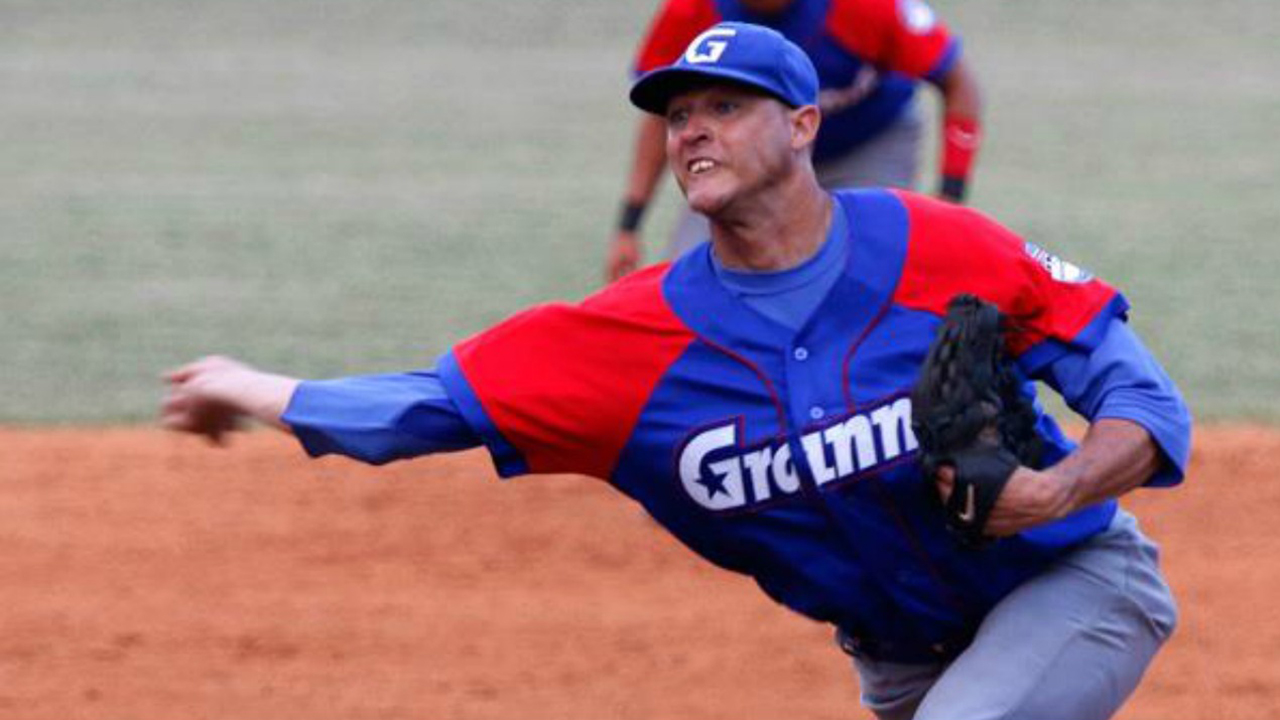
x=698 y=166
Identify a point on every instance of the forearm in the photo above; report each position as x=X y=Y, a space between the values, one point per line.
x=649 y=160
x=264 y=397
x=647 y=168
x=379 y=418
x=1114 y=457
x=961 y=96
x=1120 y=379
x=1140 y=433
x=961 y=129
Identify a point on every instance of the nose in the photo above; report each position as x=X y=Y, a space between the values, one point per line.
x=694 y=130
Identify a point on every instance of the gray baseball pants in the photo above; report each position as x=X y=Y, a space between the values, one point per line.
x=1070 y=644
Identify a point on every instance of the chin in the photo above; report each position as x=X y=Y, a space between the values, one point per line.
x=707 y=203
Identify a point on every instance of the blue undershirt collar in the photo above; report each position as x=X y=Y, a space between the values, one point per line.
x=790 y=296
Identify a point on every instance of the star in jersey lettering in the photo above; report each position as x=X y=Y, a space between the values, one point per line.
x=714 y=485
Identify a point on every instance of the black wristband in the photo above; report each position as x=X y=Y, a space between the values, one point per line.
x=952 y=188
x=632 y=212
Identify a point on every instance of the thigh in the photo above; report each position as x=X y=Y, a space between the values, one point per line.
x=893 y=691
x=890 y=159
x=1072 y=643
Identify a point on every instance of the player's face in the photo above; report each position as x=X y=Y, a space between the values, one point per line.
x=727 y=145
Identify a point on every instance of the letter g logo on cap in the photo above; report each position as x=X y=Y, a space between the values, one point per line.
x=706 y=48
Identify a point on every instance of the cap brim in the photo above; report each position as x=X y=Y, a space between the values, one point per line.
x=655 y=89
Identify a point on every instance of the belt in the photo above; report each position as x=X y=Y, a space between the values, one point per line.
x=870 y=649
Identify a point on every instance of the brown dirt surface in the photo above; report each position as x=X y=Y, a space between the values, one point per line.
x=147 y=576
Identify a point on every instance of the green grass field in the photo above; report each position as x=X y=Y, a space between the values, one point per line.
x=329 y=187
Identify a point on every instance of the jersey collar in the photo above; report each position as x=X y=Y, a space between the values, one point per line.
x=877 y=234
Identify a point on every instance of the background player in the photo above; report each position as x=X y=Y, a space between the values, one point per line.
x=869 y=54
x=752 y=396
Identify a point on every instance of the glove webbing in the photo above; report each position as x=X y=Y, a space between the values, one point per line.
x=975 y=419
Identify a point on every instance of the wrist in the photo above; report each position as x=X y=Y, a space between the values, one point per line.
x=952 y=188
x=961 y=137
x=631 y=214
x=263 y=396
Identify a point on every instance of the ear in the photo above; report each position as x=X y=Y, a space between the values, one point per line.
x=804 y=125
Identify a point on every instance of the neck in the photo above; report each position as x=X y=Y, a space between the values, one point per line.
x=777 y=232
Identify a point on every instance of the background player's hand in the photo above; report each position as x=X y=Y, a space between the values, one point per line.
x=624 y=256
x=1030 y=498
x=215 y=395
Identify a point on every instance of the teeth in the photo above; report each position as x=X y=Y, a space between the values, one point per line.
x=700 y=166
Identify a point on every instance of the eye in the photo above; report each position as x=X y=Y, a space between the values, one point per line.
x=725 y=107
x=676 y=116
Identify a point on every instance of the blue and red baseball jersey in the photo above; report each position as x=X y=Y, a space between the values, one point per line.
x=778 y=451
x=788 y=455
x=868 y=54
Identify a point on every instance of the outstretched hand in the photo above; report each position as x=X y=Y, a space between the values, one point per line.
x=215 y=395
x=201 y=398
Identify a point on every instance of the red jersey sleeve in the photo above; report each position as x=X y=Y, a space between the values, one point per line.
x=904 y=36
x=562 y=386
x=677 y=23
x=953 y=249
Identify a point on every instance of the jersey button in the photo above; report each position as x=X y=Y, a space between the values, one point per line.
x=816 y=413
x=800 y=354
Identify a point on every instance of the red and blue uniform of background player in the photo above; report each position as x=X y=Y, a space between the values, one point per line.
x=868 y=53
x=777 y=444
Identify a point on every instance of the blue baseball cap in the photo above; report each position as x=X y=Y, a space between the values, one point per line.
x=738 y=52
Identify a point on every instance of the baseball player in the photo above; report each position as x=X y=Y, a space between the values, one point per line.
x=753 y=397
x=870 y=56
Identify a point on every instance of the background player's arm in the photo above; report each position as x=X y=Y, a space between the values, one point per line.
x=880 y=32
x=647 y=167
x=961 y=122
x=215 y=395
x=674 y=26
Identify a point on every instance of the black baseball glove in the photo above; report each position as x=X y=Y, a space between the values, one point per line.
x=968 y=413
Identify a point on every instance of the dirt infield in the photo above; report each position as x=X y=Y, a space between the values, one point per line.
x=147 y=577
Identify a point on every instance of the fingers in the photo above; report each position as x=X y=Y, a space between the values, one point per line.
x=179 y=412
x=207 y=364
x=182 y=374
x=190 y=413
x=624 y=256
x=619 y=270
x=945 y=480
x=193 y=403
x=618 y=266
